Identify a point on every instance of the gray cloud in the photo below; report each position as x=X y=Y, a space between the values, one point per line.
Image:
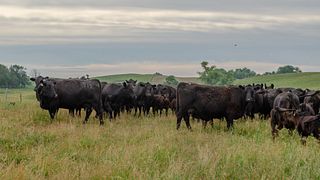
x=60 y=33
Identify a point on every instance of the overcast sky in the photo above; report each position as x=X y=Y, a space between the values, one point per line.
x=68 y=38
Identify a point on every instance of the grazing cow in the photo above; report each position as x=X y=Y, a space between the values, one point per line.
x=306 y=109
x=305 y=124
x=117 y=96
x=208 y=102
x=308 y=125
x=313 y=98
x=282 y=104
x=69 y=94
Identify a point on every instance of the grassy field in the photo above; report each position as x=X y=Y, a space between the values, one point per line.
x=33 y=147
x=309 y=80
x=152 y=78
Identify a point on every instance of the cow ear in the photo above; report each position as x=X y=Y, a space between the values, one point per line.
x=272 y=86
x=32 y=79
x=124 y=84
x=135 y=81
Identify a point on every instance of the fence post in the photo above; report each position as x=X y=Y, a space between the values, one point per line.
x=6 y=95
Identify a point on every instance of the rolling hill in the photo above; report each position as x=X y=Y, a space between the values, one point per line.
x=152 y=78
x=309 y=80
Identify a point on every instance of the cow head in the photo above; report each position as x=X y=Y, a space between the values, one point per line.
x=249 y=93
x=150 y=89
x=39 y=85
x=127 y=91
x=47 y=90
x=132 y=82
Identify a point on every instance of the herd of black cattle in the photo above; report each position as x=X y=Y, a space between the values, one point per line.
x=286 y=107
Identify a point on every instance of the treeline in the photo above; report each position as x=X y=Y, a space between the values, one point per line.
x=218 y=76
x=13 y=77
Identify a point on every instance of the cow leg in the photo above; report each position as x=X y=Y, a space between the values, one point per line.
x=204 y=124
x=135 y=110
x=71 y=112
x=154 y=111
x=167 y=109
x=274 y=131
x=304 y=140
x=179 y=118
x=88 y=113
x=99 y=114
x=229 y=123
x=211 y=123
x=78 y=112
x=187 y=120
x=52 y=113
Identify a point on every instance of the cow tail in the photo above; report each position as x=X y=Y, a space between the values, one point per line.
x=177 y=102
x=100 y=98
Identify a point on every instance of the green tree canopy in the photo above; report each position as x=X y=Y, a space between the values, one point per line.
x=14 y=77
x=215 y=76
x=288 y=69
x=171 y=80
x=244 y=73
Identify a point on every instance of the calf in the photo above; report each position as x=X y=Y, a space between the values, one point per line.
x=306 y=125
x=159 y=103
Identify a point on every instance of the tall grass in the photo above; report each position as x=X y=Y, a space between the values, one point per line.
x=34 y=147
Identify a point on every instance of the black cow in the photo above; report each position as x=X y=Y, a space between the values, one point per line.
x=131 y=82
x=208 y=102
x=283 y=103
x=313 y=98
x=160 y=103
x=306 y=109
x=117 y=96
x=308 y=125
x=144 y=93
x=167 y=91
x=305 y=124
x=69 y=94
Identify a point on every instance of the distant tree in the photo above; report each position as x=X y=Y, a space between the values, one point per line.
x=19 y=77
x=243 y=73
x=215 y=76
x=13 y=77
x=4 y=76
x=288 y=69
x=157 y=74
x=171 y=80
